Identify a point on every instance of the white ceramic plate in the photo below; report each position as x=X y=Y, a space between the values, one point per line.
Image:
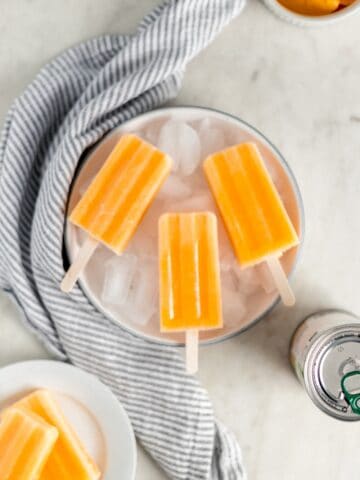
x=94 y=412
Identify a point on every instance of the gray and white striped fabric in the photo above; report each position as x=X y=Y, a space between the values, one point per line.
x=72 y=103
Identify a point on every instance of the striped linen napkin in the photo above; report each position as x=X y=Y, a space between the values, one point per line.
x=71 y=104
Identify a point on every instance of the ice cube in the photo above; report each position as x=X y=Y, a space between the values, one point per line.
x=227 y=258
x=212 y=138
x=202 y=202
x=234 y=136
x=144 y=241
x=151 y=133
x=119 y=274
x=233 y=301
x=265 y=278
x=174 y=187
x=234 y=308
x=248 y=279
x=198 y=184
x=100 y=257
x=142 y=302
x=223 y=235
x=226 y=251
x=143 y=244
x=95 y=269
x=229 y=280
x=80 y=234
x=182 y=143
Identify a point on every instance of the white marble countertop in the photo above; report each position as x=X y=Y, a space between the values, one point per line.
x=301 y=88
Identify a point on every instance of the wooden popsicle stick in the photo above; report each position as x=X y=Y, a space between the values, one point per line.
x=82 y=258
x=192 y=350
x=281 y=281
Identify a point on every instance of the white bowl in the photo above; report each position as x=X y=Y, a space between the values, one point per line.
x=258 y=302
x=311 y=21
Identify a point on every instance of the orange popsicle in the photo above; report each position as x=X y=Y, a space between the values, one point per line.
x=118 y=197
x=190 y=297
x=68 y=460
x=116 y=200
x=26 y=442
x=311 y=7
x=254 y=215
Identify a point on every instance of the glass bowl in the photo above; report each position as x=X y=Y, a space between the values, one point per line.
x=241 y=312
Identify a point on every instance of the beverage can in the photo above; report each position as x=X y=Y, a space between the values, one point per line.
x=325 y=354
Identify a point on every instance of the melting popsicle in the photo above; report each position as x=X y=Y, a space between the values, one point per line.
x=254 y=215
x=190 y=297
x=117 y=198
x=68 y=459
x=26 y=442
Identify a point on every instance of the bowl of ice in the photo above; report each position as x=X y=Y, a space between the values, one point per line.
x=125 y=288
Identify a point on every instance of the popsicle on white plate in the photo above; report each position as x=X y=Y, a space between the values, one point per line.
x=26 y=442
x=68 y=460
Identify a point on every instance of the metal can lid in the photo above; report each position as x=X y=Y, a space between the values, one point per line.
x=328 y=371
